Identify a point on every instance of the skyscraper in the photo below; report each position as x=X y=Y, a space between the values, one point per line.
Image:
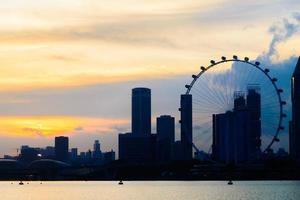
x=141 y=111
x=239 y=100
x=139 y=145
x=222 y=147
x=236 y=134
x=62 y=148
x=295 y=126
x=97 y=154
x=186 y=126
x=74 y=154
x=165 y=127
x=254 y=108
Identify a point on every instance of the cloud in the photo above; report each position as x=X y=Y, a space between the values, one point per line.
x=215 y=90
x=78 y=128
x=281 y=32
x=81 y=58
x=49 y=126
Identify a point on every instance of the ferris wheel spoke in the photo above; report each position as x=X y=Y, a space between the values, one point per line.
x=208 y=101
x=206 y=94
x=213 y=93
x=209 y=92
x=205 y=100
x=226 y=89
x=219 y=81
x=209 y=85
x=208 y=106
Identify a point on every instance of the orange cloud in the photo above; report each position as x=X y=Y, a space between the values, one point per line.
x=66 y=81
x=37 y=126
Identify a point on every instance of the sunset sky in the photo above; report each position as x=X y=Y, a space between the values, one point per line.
x=67 y=66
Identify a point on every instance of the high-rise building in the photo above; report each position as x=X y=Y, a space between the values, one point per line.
x=48 y=152
x=88 y=155
x=239 y=100
x=236 y=134
x=141 y=111
x=295 y=125
x=222 y=147
x=186 y=126
x=139 y=145
x=97 y=154
x=165 y=127
x=28 y=154
x=74 y=154
x=109 y=156
x=254 y=108
x=62 y=148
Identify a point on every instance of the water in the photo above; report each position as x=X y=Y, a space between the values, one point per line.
x=152 y=190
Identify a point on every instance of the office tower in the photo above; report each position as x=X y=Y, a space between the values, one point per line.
x=165 y=127
x=295 y=126
x=141 y=111
x=74 y=154
x=62 y=148
x=241 y=134
x=97 y=154
x=109 y=156
x=139 y=145
x=186 y=126
x=48 y=152
x=254 y=108
x=239 y=100
x=223 y=138
x=28 y=154
x=231 y=133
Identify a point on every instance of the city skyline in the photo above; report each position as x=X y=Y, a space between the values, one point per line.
x=75 y=69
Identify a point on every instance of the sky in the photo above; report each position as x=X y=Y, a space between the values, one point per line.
x=67 y=66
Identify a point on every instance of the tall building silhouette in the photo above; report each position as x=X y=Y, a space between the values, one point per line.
x=28 y=154
x=62 y=148
x=239 y=101
x=141 y=111
x=139 y=145
x=230 y=132
x=236 y=133
x=74 y=154
x=295 y=125
x=165 y=128
x=97 y=154
x=186 y=126
x=254 y=108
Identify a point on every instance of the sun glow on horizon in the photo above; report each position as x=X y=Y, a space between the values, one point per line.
x=67 y=66
x=49 y=126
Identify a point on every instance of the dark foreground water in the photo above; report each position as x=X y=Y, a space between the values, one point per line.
x=152 y=190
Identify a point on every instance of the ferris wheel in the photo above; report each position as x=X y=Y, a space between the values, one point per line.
x=214 y=89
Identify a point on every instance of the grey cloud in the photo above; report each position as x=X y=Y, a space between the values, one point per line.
x=282 y=32
x=78 y=129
